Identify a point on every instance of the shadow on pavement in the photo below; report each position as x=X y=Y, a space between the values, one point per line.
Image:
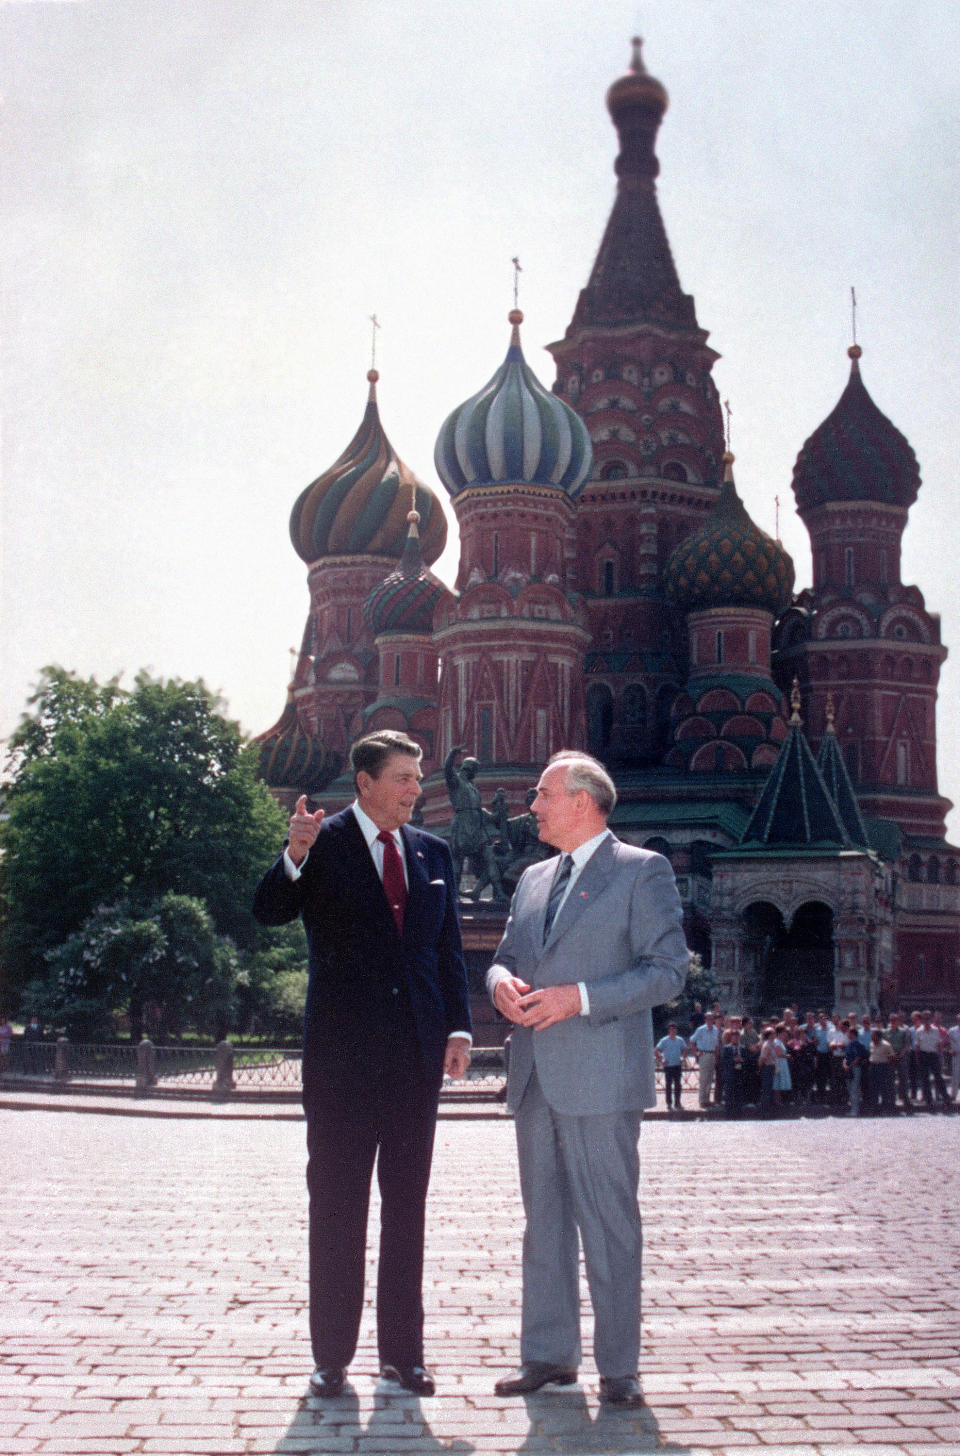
x=322 y=1426
x=556 y=1421
x=566 y=1422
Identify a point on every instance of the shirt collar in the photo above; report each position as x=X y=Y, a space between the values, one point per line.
x=370 y=831
x=583 y=852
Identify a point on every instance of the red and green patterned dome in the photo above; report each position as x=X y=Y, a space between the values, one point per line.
x=291 y=758
x=729 y=561
x=359 y=506
x=405 y=600
x=856 y=454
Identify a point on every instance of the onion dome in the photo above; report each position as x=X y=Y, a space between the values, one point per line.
x=729 y=562
x=359 y=506
x=290 y=758
x=856 y=454
x=637 y=101
x=405 y=600
x=515 y=431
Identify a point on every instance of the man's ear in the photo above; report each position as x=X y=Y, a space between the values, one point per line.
x=363 y=783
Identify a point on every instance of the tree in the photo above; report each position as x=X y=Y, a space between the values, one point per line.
x=700 y=986
x=123 y=797
x=61 y=702
x=167 y=962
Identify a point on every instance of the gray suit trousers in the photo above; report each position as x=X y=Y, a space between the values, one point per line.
x=579 y=1174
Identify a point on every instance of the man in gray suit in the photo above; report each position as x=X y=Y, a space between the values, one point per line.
x=594 y=940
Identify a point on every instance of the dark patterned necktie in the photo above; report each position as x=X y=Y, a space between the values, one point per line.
x=394 y=884
x=556 y=894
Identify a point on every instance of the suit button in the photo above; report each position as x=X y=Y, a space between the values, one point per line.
x=396 y=990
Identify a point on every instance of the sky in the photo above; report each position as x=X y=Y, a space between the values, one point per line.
x=203 y=204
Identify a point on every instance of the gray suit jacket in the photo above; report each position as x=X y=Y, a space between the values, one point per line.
x=620 y=931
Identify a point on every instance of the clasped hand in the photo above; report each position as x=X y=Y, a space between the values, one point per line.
x=514 y=999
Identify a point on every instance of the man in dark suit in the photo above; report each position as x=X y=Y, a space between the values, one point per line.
x=387 y=1015
x=593 y=942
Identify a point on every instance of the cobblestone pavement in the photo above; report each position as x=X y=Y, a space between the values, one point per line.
x=801 y=1291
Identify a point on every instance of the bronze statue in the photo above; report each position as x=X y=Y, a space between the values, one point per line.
x=474 y=830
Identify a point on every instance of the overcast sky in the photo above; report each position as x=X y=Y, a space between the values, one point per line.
x=203 y=203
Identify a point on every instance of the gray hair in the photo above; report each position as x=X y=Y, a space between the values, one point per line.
x=588 y=774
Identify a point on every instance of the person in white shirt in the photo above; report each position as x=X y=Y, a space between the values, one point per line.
x=706 y=1041
x=953 y=1037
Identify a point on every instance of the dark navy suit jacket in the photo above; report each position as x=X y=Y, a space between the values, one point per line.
x=362 y=972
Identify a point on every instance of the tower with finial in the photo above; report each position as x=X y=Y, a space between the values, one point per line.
x=350 y=527
x=513 y=458
x=400 y=613
x=860 y=636
x=731 y=581
x=635 y=364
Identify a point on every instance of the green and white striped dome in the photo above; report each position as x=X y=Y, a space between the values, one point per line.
x=514 y=432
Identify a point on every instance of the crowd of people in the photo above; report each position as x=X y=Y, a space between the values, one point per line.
x=853 y=1063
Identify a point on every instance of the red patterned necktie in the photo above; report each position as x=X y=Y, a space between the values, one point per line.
x=394 y=884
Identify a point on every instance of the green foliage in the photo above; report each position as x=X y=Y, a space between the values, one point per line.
x=124 y=797
x=273 y=986
x=283 y=1014
x=700 y=986
x=161 y=968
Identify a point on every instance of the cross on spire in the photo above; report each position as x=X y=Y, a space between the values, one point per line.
x=853 y=311
x=373 y=340
x=517 y=270
x=729 y=412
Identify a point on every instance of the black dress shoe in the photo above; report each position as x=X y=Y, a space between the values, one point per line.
x=621 y=1390
x=328 y=1381
x=415 y=1378
x=533 y=1375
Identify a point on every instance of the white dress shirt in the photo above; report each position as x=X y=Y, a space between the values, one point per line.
x=374 y=843
x=580 y=856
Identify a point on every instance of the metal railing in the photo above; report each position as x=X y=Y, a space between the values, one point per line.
x=220 y=1072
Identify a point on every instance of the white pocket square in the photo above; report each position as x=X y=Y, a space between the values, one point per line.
x=438 y=882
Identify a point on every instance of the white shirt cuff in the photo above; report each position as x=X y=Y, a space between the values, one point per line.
x=292 y=871
x=464 y=1035
x=584 y=998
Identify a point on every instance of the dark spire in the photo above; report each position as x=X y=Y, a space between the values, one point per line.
x=634 y=279
x=795 y=806
x=837 y=779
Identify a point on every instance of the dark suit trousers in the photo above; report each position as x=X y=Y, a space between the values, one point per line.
x=388 y=1119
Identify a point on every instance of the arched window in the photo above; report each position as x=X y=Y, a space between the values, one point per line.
x=903 y=762
x=673 y=470
x=613 y=470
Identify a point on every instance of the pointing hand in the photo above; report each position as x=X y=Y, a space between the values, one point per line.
x=302 y=830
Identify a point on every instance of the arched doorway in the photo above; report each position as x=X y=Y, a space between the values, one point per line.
x=792 y=964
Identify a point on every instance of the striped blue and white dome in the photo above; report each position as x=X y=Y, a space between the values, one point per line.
x=514 y=431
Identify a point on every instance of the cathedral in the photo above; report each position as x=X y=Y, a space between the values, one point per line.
x=613 y=593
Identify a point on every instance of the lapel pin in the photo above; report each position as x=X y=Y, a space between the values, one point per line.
x=584 y=895
x=419 y=854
